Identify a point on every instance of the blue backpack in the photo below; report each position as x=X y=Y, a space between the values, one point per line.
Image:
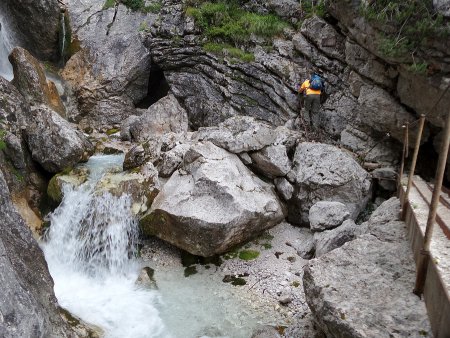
x=315 y=82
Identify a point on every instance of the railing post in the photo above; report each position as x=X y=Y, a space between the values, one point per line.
x=413 y=165
x=425 y=252
x=402 y=164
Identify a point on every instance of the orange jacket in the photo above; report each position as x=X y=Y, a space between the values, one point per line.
x=305 y=86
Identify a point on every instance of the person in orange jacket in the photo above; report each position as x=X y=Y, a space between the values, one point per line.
x=312 y=88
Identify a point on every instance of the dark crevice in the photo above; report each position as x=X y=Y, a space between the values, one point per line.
x=158 y=87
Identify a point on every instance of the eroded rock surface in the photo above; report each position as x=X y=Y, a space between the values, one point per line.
x=211 y=203
x=363 y=289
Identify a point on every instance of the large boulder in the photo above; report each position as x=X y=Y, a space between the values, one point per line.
x=325 y=173
x=363 y=289
x=30 y=80
x=211 y=203
x=53 y=142
x=35 y=25
x=272 y=161
x=164 y=116
x=327 y=215
x=27 y=302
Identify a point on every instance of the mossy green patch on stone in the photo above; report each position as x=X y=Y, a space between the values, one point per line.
x=112 y=131
x=54 y=190
x=248 y=255
x=190 y=270
x=295 y=284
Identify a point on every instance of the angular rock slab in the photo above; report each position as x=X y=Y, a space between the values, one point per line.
x=364 y=289
x=272 y=161
x=324 y=172
x=327 y=215
x=212 y=203
x=53 y=142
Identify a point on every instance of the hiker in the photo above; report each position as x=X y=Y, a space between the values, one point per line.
x=312 y=89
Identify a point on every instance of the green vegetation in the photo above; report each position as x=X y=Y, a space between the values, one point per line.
x=228 y=22
x=135 y=5
x=419 y=68
x=109 y=4
x=235 y=280
x=248 y=255
x=112 y=131
x=311 y=8
x=295 y=284
x=2 y=139
x=228 y=28
x=410 y=24
x=225 y=49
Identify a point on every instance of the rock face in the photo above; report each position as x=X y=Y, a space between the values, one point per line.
x=30 y=80
x=27 y=302
x=110 y=74
x=53 y=142
x=363 y=289
x=35 y=24
x=272 y=161
x=325 y=173
x=211 y=203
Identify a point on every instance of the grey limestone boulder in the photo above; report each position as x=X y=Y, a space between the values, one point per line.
x=170 y=160
x=327 y=215
x=363 y=289
x=125 y=133
x=164 y=116
x=272 y=161
x=284 y=188
x=325 y=173
x=240 y=134
x=53 y=142
x=329 y=240
x=211 y=203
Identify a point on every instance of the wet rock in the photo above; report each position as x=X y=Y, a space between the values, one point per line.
x=30 y=80
x=28 y=303
x=326 y=173
x=272 y=161
x=141 y=186
x=331 y=239
x=166 y=115
x=327 y=215
x=236 y=205
x=53 y=142
x=35 y=25
x=74 y=178
x=134 y=158
x=146 y=278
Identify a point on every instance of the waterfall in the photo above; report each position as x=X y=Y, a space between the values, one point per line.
x=6 y=69
x=63 y=37
x=90 y=250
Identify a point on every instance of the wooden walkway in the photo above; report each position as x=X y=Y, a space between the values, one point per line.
x=437 y=284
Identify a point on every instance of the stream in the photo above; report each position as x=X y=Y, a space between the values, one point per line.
x=91 y=254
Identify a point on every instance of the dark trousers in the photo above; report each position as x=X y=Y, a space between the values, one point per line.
x=312 y=105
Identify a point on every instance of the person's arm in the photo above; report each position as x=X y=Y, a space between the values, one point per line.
x=303 y=87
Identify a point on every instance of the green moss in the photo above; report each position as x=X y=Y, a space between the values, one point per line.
x=419 y=68
x=225 y=49
x=231 y=254
x=248 y=255
x=109 y=4
x=153 y=8
x=235 y=280
x=112 y=131
x=295 y=284
x=53 y=189
x=189 y=271
x=266 y=246
x=311 y=8
x=143 y=27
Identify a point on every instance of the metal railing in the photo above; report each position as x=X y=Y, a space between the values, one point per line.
x=431 y=221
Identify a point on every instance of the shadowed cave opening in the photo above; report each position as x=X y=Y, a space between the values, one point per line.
x=158 y=87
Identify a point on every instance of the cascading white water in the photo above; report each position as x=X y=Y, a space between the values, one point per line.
x=6 y=69
x=90 y=253
x=63 y=37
